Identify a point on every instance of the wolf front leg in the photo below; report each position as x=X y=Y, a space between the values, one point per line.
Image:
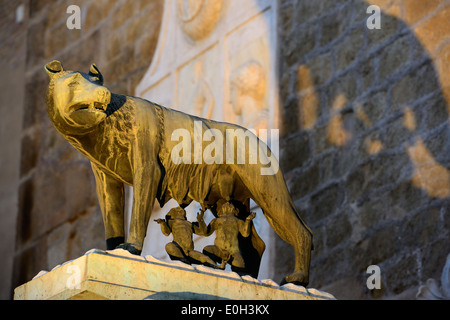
x=111 y=199
x=145 y=186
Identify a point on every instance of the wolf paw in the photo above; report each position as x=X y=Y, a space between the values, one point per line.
x=297 y=278
x=130 y=248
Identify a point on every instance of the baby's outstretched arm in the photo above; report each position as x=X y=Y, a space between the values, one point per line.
x=244 y=227
x=164 y=226
x=202 y=229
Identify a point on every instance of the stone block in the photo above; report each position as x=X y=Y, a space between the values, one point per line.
x=31 y=259
x=331 y=266
x=37 y=5
x=320 y=68
x=59 y=193
x=381 y=243
x=401 y=273
x=366 y=73
x=420 y=82
x=54 y=20
x=390 y=25
x=338 y=229
x=137 y=27
x=148 y=45
x=357 y=181
x=344 y=88
x=396 y=131
x=405 y=197
x=348 y=50
x=295 y=153
x=91 y=49
x=96 y=12
x=400 y=168
x=441 y=62
x=438 y=143
x=394 y=57
x=286 y=18
x=372 y=109
x=24 y=217
x=421 y=227
x=308 y=10
x=434 y=112
x=118 y=275
x=122 y=14
x=29 y=152
x=433 y=258
x=303 y=182
x=435 y=29
x=35 y=112
x=335 y=24
x=290 y=117
x=114 y=44
x=309 y=109
x=298 y=44
x=35 y=43
x=325 y=202
x=320 y=141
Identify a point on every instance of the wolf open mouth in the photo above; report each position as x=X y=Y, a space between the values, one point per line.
x=89 y=106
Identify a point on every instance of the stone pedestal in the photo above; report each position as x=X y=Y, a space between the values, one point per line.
x=118 y=275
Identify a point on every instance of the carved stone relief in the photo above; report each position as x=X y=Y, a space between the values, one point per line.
x=198 y=18
x=198 y=86
x=202 y=100
x=217 y=60
x=248 y=88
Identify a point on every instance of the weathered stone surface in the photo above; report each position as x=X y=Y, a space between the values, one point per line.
x=348 y=50
x=296 y=185
x=301 y=44
x=325 y=202
x=416 y=9
x=409 y=89
x=432 y=31
x=325 y=52
x=332 y=26
x=57 y=205
x=394 y=57
x=403 y=273
x=338 y=229
x=386 y=99
x=296 y=153
x=118 y=275
x=35 y=114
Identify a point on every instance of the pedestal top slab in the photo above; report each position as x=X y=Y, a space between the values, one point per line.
x=119 y=275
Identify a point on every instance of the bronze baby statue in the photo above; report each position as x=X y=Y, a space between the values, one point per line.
x=182 y=246
x=226 y=244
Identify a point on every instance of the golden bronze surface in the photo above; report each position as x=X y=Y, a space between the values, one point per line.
x=131 y=141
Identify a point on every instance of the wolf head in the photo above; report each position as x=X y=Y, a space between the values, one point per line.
x=76 y=101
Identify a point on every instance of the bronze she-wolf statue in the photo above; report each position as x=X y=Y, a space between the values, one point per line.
x=130 y=140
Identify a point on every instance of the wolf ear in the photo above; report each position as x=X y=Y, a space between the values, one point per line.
x=94 y=72
x=53 y=68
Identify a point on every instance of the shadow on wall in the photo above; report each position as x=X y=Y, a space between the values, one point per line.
x=366 y=138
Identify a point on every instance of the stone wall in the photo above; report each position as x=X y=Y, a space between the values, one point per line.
x=12 y=66
x=58 y=214
x=366 y=140
x=364 y=120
